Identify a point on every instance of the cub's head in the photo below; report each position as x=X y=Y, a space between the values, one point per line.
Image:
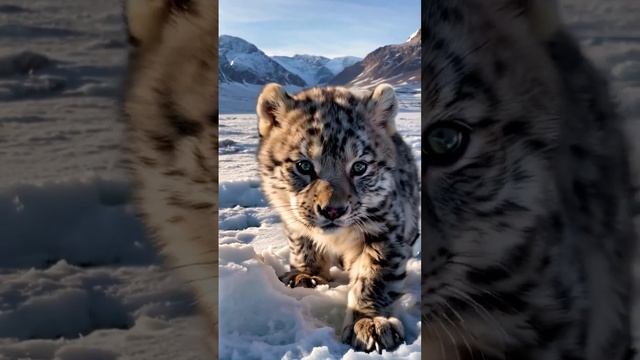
x=326 y=155
x=490 y=127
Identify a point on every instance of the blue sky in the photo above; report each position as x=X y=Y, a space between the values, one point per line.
x=320 y=27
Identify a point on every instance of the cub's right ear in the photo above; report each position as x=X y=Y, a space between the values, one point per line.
x=145 y=20
x=273 y=103
x=543 y=16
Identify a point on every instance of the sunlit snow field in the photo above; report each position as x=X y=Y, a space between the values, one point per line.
x=260 y=318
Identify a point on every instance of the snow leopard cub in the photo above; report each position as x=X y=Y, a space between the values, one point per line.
x=526 y=190
x=172 y=117
x=346 y=186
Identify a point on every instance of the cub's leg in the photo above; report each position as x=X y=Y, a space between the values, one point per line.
x=309 y=265
x=376 y=277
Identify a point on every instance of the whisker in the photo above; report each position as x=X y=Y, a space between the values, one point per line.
x=479 y=309
x=451 y=337
x=459 y=331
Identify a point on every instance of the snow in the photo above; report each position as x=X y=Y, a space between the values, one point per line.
x=245 y=56
x=260 y=318
x=78 y=274
x=97 y=207
x=236 y=98
x=336 y=65
x=241 y=61
x=313 y=69
x=310 y=68
x=412 y=36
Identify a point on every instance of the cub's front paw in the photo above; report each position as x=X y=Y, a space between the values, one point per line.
x=296 y=279
x=377 y=333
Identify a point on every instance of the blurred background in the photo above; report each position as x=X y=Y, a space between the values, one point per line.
x=78 y=277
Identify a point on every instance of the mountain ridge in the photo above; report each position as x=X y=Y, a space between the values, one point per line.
x=244 y=63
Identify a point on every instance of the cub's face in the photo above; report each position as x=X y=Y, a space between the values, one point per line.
x=490 y=127
x=326 y=155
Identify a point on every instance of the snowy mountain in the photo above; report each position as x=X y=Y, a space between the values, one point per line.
x=336 y=65
x=244 y=69
x=315 y=70
x=243 y=62
x=395 y=64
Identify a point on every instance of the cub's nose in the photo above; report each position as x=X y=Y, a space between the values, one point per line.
x=331 y=212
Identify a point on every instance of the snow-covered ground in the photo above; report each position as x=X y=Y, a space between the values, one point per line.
x=260 y=318
x=236 y=98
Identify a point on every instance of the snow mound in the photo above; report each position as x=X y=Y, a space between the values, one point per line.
x=148 y=339
x=245 y=193
x=33 y=87
x=65 y=301
x=84 y=222
x=299 y=323
x=24 y=63
x=55 y=308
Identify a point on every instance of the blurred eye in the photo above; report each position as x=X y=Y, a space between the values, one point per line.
x=305 y=167
x=446 y=142
x=358 y=168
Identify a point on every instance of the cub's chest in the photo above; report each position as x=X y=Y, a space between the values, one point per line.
x=345 y=243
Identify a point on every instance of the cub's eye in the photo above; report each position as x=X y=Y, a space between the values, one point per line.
x=446 y=142
x=305 y=167
x=358 y=168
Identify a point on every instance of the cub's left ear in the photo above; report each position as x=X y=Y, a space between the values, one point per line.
x=384 y=106
x=273 y=104
x=146 y=20
x=543 y=16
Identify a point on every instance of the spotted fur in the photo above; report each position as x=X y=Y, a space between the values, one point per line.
x=368 y=222
x=528 y=235
x=172 y=115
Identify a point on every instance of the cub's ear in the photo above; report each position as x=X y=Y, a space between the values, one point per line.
x=145 y=20
x=273 y=103
x=384 y=107
x=543 y=16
